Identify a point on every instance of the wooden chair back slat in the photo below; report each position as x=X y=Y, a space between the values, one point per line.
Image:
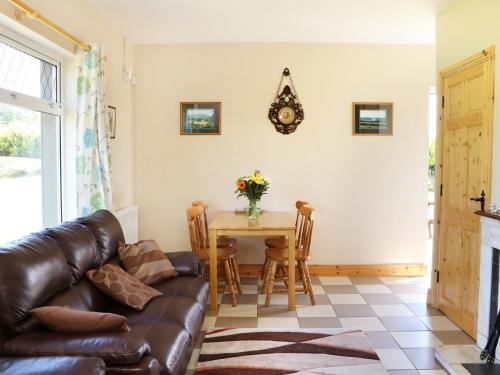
x=304 y=231
x=196 y=228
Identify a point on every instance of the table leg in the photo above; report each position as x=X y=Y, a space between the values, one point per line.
x=213 y=269
x=291 y=270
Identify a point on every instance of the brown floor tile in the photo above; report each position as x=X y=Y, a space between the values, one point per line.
x=320 y=323
x=340 y=289
x=423 y=358
x=303 y=299
x=275 y=311
x=315 y=280
x=247 y=280
x=242 y=299
x=382 y=340
x=236 y=322
x=348 y=311
x=403 y=323
x=422 y=309
x=382 y=299
x=454 y=337
x=365 y=280
x=407 y=288
x=199 y=340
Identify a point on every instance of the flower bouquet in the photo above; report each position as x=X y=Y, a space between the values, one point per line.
x=253 y=188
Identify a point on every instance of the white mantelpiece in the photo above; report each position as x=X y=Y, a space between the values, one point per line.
x=490 y=239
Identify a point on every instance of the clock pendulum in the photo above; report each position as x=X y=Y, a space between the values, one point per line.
x=286 y=111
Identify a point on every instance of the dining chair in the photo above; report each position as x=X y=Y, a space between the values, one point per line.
x=278 y=257
x=222 y=241
x=226 y=256
x=281 y=241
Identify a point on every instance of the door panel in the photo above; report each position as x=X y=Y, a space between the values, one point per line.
x=466 y=122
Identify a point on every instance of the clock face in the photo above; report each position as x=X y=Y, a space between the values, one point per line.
x=286 y=115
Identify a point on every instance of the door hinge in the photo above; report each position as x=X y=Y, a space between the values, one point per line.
x=441 y=190
x=437 y=276
x=442 y=101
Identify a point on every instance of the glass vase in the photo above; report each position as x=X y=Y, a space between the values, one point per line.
x=253 y=211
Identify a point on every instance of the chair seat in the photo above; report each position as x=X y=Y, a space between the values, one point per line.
x=276 y=242
x=223 y=253
x=281 y=255
x=226 y=242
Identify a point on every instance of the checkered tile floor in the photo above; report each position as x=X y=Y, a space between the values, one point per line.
x=403 y=330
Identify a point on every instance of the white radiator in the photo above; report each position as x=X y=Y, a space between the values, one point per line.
x=129 y=220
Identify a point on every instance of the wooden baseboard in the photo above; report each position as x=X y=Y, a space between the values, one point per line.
x=349 y=269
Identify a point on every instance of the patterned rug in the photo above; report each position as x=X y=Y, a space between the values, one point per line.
x=245 y=351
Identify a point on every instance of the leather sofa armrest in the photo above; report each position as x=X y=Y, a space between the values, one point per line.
x=52 y=365
x=186 y=263
x=112 y=347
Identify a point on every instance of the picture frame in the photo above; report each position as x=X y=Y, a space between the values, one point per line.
x=112 y=121
x=200 y=118
x=372 y=118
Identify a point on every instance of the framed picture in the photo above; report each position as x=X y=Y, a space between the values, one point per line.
x=200 y=118
x=372 y=118
x=112 y=121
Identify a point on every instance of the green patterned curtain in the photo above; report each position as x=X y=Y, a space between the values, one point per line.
x=93 y=157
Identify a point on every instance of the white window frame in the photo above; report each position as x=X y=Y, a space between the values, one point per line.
x=51 y=203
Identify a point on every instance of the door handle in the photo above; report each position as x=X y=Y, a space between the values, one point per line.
x=482 y=199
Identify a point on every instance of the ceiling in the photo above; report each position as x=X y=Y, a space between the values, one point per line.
x=213 y=21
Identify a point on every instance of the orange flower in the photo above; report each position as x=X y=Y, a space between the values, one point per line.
x=241 y=185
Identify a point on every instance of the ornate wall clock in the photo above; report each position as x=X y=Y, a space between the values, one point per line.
x=286 y=112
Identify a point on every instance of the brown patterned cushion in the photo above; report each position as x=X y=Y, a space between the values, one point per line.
x=146 y=261
x=63 y=319
x=119 y=285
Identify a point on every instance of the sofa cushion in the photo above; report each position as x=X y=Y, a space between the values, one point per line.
x=52 y=365
x=185 y=286
x=62 y=319
x=106 y=230
x=113 y=347
x=31 y=271
x=148 y=365
x=146 y=261
x=79 y=246
x=170 y=344
x=124 y=288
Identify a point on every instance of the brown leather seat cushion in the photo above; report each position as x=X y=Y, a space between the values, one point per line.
x=182 y=286
x=52 y=365
x=148 y=365
x=113 y=347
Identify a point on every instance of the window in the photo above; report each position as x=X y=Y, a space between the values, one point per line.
x=30 y=117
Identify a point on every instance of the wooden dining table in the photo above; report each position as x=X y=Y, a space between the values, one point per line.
x=269 y=223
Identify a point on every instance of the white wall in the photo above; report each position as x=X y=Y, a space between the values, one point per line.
x=83 y=22
x=370 y=192
x=463 y=30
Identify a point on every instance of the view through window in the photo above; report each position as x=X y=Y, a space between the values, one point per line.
x=29 y=140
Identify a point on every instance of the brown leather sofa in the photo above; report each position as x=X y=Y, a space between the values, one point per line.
x=48 y=268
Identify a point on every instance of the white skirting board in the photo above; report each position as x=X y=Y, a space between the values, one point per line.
x=129 y=220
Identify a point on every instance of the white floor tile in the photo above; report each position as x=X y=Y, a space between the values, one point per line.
x=347 y=299
x=432 y=372
x=240 y=311
x=366 y=324
x=335 y=280
x=278 y=323
x=317 y=311
x=249 y=289
x=413 y=297
x=318 y=289
x=396 y=280
x=439 y=323
x=392 y=310
x=394 y=359
x=276 y=299
x=209 y=322
x=416 y=339
x=194 y=359
x=373 y=289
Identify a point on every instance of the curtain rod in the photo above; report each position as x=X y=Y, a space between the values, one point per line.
x=26 y=11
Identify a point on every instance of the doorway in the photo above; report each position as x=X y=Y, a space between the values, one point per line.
x=463 y=172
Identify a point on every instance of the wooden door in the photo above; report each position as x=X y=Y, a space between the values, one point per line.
x=466 y=139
